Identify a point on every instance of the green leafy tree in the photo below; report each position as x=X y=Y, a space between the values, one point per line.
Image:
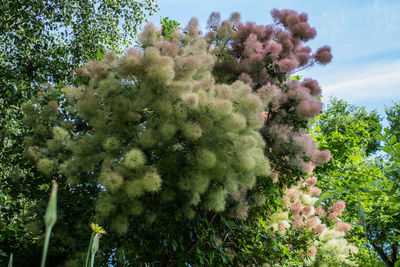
x=42 y=42
x=365 y=181
x=168 y=26
x=383 y=220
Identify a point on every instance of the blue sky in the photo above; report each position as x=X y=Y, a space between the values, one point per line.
x=364 y=36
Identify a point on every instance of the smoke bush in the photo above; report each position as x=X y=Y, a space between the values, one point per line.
x=326 y=244
x=186 y=127
x=156 y=119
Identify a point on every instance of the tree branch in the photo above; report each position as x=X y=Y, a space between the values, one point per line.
x=303 y=68
x=395 y=247
x=198 y=240
x=382 y=255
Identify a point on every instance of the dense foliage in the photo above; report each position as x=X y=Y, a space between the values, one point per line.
x=189 y=148
x=43 y=42
x=361 y=174
x=162 y=153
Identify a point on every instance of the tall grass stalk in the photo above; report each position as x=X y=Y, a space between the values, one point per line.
x=10 y=262
x=95 y=248
x=50 y=219
x=92 y=260
x=94 y=243
x=89 y=249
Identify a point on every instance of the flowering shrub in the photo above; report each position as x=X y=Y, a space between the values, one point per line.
x=263 y=57
x=176 y=140
x=327 y=245
x=158 y=125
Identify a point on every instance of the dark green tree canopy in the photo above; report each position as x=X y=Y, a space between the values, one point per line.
x=42 y=41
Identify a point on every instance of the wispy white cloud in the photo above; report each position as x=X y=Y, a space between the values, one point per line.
x=375 y=81
x=374 y=85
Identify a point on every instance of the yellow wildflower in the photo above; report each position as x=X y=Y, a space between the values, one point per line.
x=97 y=228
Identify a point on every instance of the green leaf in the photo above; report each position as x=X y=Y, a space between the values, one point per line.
x=327 y=194
x=394 y=199
x=354 y=186
x=387 y=149
x=392 y=140
x=362 y=215
x=397 y=148
x=376 y=193
x=99 y=55
x=224 y=259
x=174 y=244
x=295 y=77
x=379 y=136
x=10 y=262
x=317 y=203
x=378 y=127
x=365 y=190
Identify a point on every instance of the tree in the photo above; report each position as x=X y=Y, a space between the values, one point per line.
x=383 y=220
x=171 y=146
x=366 y=182
x=43 y=42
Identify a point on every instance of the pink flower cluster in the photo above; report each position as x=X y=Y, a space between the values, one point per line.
x=299 y=201
x=323 y=55
x=257 y=53
x=298 y=98
x=336 y=209
x=298 y=144
x=254 y=43
x=312 y=86
x=296 y=23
